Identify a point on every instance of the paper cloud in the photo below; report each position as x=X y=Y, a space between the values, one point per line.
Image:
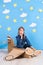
x=33 y=25
x=6 y=11
x=23 y=15
x=6 y=1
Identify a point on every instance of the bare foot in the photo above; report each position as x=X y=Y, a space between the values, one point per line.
x=37 y=52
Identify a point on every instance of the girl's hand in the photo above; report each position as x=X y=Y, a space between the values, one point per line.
x=33 y=48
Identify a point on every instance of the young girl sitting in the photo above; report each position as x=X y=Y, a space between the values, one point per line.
x=23 y=46
x=23 y=42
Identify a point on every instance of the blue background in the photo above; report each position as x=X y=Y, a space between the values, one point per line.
x=10 y=25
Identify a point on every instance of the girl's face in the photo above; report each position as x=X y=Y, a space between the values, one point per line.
x=21 y=32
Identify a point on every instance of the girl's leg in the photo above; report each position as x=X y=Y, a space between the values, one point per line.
x=32 y=52
x=28 y=53
x=36 y=52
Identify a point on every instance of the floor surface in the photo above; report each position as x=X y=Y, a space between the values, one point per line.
x=22 y=61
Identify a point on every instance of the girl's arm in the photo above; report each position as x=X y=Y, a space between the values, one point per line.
x=29 y=44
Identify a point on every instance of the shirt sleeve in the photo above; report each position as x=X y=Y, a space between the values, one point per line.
x=27 y=43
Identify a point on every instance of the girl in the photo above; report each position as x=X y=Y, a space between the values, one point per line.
x=22 y=40
x=23 y=44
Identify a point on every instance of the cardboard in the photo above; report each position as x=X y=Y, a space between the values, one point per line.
x=15 y=52
x=10 y=44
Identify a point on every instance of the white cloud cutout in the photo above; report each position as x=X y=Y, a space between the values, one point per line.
x=6 y=1
x=42 y=2
x=23 y=15
x=6 y=11
x=33 y=25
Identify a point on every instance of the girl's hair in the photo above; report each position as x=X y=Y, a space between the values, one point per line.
x=23 y=30
x=20 y=28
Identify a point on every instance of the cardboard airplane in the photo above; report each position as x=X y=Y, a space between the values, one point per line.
x=14 y=52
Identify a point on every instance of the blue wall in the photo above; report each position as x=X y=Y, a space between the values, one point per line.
x=26 y=13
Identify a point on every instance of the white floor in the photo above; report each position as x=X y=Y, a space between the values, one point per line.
x=23 y=61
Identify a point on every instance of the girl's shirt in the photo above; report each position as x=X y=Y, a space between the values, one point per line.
x=22 y=43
